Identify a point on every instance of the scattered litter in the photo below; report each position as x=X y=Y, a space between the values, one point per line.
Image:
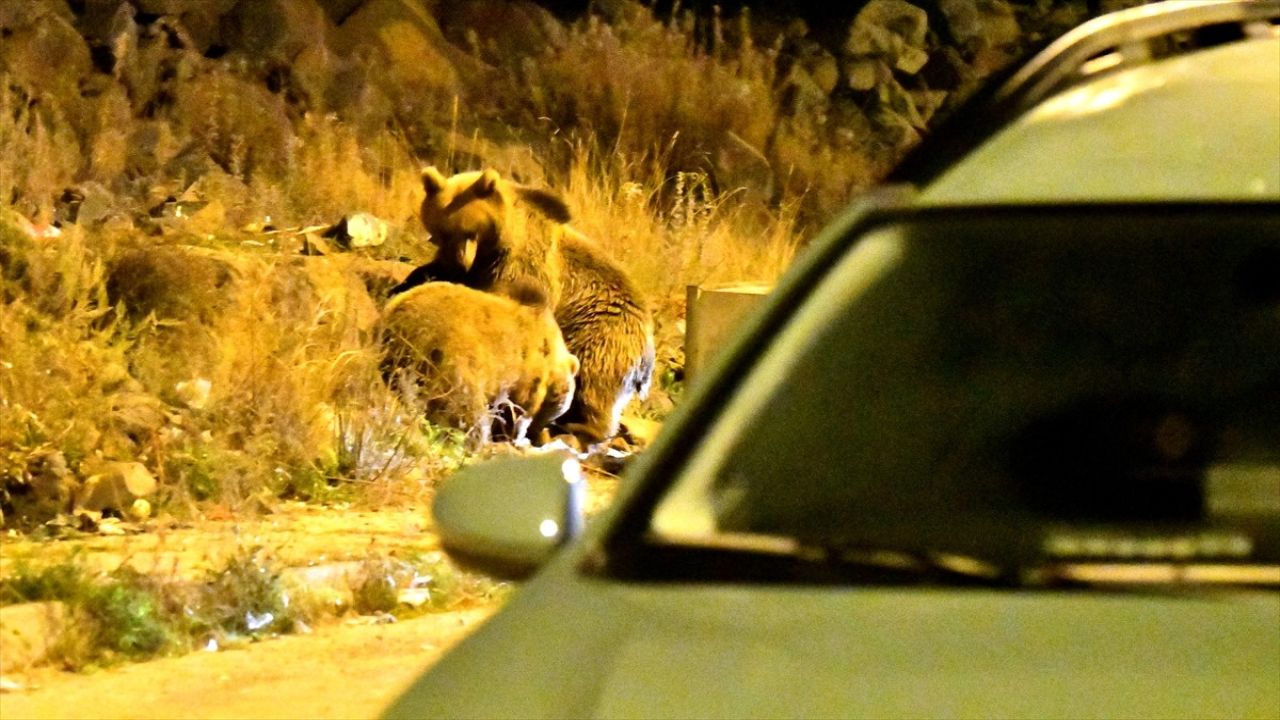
x=255 y=621
x=194 y=393
x=557 y=445
x=358 y=230
x=8 y=686
x=414 y=597
x=111 y=526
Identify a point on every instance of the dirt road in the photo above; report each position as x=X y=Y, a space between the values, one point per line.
x=342 y=671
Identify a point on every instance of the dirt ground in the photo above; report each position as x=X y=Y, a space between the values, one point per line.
x=295 y=534
x=350 y=667
x=346 y=668
x=343 y=671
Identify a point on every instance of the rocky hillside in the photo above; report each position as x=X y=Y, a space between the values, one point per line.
x=185 y=321
x=145 y=97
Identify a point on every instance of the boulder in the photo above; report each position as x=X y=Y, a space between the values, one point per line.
x=405 y=43
x=216 y=100
x=977 y=24
x=358 y=230
x=274 y=30
x=41 y=50
x=893 y=31
x=504 y=29
x=175 y=282
x=115 y=486
x=43 y=489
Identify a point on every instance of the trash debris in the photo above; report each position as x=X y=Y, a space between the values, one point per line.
x=194 y=393
x=8 y=686
x=257 y=621
x=358 y=230
x=414 y=597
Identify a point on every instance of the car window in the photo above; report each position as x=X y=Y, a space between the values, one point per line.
x=1012 y=388
x=1204 y=125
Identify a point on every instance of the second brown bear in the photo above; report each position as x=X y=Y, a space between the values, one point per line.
x=489 y=231
x=472 y=359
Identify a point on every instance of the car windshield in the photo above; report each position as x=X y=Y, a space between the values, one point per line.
x=1055 y=388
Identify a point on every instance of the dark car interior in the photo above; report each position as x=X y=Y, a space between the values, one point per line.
x=1107 y=369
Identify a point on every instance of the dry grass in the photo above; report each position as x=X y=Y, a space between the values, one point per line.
x=651 y=82
x=268 y=387
x=41 y=153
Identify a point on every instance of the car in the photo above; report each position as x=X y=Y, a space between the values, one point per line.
x=1004 y=442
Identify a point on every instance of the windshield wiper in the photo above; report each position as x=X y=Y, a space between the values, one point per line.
x=921 y=563
x=761 y=556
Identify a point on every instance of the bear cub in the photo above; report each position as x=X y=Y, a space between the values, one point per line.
x=489 y=232
x=470 y=358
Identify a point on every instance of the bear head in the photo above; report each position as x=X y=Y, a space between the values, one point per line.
x=468 y=215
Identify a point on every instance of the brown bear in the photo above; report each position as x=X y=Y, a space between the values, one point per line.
x=488 y=231
x=469 y=358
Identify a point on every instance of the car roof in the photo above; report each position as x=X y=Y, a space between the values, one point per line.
x=1198 y=126
x=1114 y=45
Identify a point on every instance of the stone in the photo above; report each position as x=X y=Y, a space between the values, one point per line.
x=115 y=486
x=42 y=51
x=507 y=30
x=894 y=30
x=978 y=24
x=405 y=42
x=274 y=29
x=28 y=632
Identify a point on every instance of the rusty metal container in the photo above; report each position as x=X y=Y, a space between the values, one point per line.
x=712 y=314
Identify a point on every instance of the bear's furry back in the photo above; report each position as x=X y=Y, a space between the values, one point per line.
x=458 y=354
x=608 y=325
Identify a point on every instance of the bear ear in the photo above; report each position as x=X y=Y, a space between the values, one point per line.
x=546 y=202
x=486 y=184
x=574 y=365
x=432 y=181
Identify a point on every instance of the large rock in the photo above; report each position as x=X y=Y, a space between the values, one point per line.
x=20 y=13
x=42 y=490
x=407 y=44
x=977 y=24
x=274 y=30
x=892 y=31
x=41 y=50
x=175 y=282
x=504 y=29
x=115 y=486
x=243 y=126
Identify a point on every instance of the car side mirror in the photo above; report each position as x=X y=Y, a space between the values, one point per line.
x=507 y=517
